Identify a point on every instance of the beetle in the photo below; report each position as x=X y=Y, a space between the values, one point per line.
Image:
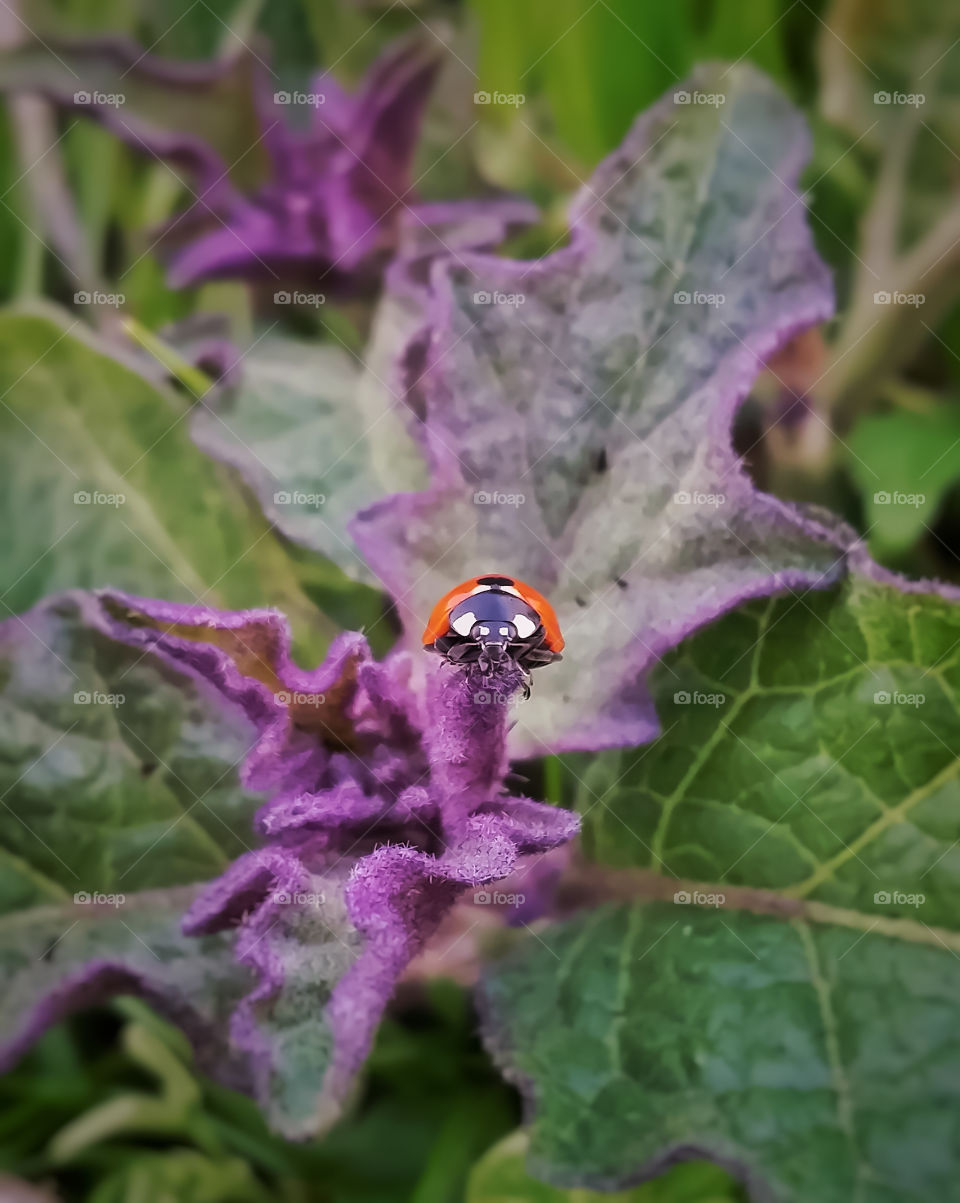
x=490 y=618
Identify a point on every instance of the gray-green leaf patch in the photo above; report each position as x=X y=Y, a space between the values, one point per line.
x=58 y=959
x=316 y=438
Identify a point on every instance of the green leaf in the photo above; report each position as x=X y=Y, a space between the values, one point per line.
x=501 y=1176
x=810 y=748
x=316 y=438
x=109 y=490
x=752 y=31
x=904 y=463
x=117 y=773
x=597 y=64
x=817 y=1061
x=792 y=1011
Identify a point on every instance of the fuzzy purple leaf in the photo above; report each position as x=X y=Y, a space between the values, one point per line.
x=578 y=409
x=383 y=806
x=327 y=214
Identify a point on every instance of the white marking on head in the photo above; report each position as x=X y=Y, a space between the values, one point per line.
x=464 y=624
x=525 y=627
x=504 y=630
x=484 y=630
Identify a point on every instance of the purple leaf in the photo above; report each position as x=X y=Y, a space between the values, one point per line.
x=383 y=805
x=578 y=409
x=273 y=199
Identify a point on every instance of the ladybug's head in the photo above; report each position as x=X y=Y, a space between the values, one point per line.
x=492 y=618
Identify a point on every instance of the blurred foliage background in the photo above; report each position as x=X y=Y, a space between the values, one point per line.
x=107 y=1108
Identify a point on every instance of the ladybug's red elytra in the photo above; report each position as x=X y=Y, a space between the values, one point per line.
x=490 y=618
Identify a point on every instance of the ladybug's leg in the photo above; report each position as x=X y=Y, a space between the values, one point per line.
x=534 y=657
x=543 y=655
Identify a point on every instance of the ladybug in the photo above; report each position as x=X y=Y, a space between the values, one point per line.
x=490 y=618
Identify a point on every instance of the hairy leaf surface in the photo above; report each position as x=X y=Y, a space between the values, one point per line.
x=578 y=409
